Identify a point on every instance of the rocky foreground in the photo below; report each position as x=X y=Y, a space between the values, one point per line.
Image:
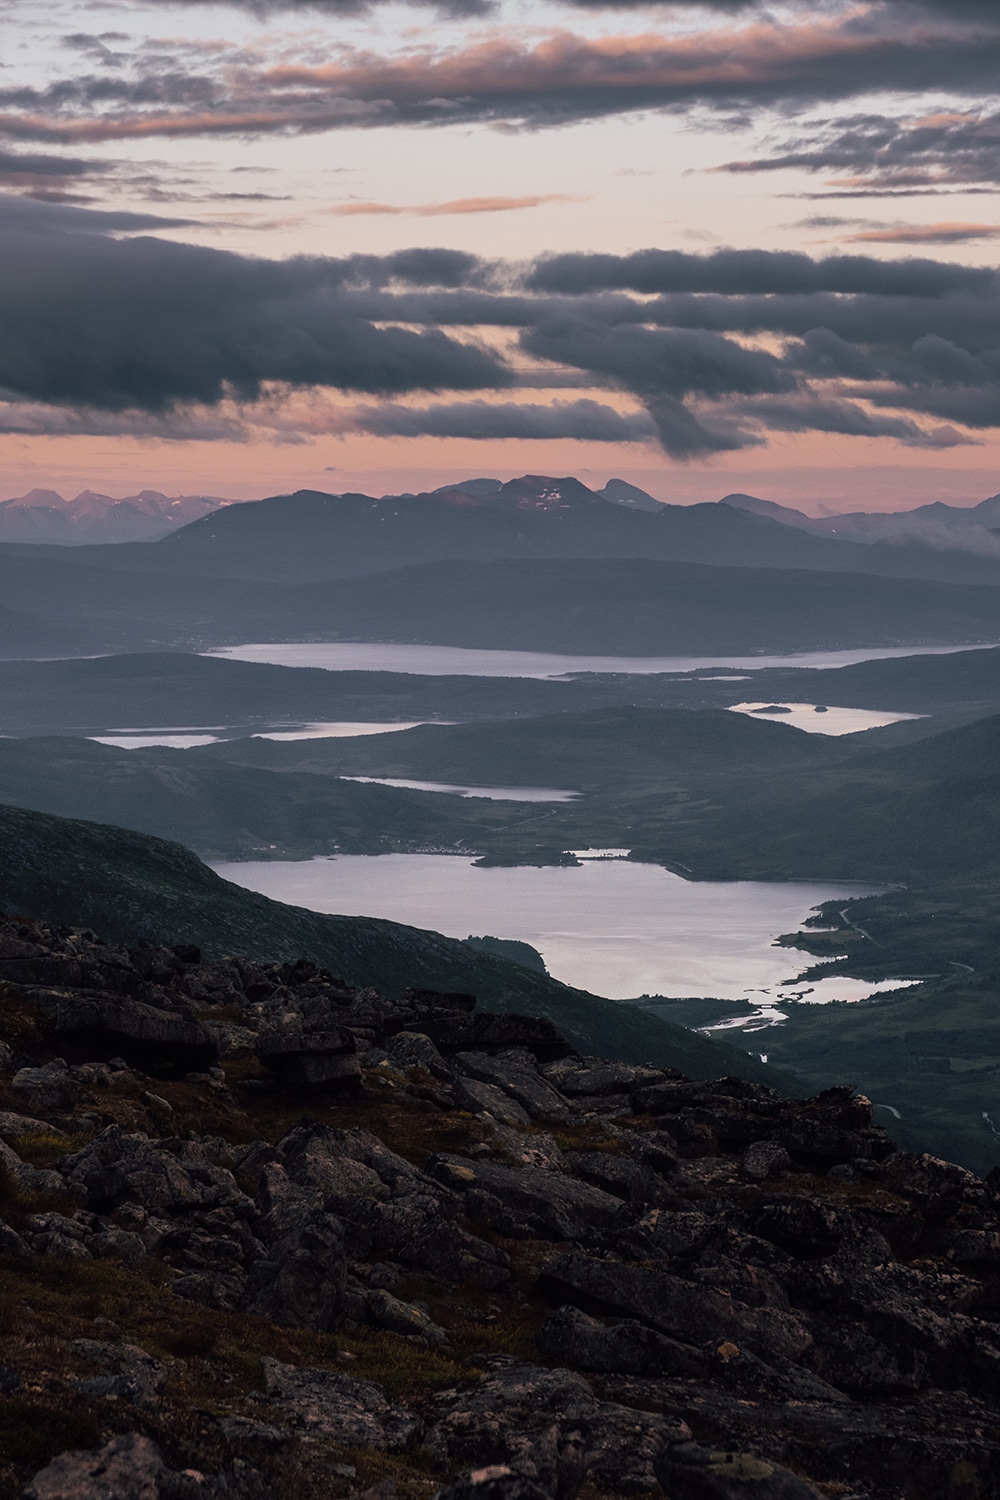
x=264 y=1235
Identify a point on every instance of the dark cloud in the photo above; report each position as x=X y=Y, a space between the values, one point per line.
x=947 y=148
x=114 y=324
x=102 y=333
x=657 y=361
x=843 y=418
x=587 y=421
x=22 y=164
x=512 y=79
x=754 y=272
x=49 y=178
x=28 y=216
x=926 y=234
x=265 y=8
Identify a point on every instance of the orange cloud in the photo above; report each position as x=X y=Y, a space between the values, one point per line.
x=926 y=234
x=454 y=206
x=508 y=80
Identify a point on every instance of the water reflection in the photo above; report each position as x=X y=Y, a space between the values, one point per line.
x=438 y=661
x=609 y=925
x=817 y=718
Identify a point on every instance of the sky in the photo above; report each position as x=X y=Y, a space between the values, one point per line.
x=254 y=247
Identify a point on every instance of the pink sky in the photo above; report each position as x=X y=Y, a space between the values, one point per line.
x=525 y=131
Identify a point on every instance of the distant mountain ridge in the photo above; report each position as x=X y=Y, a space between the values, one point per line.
x=45 y=516
x=967 y=528
x=313 y=536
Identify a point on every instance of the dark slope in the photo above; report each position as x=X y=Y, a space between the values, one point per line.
x=311 y=535
x=104 y=609
x=130 y=887
x=24 y=632
x=922 y=812
x=233 y=812
x=601 y=749
x=720 y=795
x=620 y=606
x=158 y=689
x=641 y=608
x=970 y=751
x=161 y=689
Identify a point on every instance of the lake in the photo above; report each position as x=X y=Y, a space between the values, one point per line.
x=444 y=661
x=818 y=719
x=610 y=926
x=491 y=793
x=190 y=739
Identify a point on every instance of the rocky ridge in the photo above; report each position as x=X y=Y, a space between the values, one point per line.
x=266 y=1233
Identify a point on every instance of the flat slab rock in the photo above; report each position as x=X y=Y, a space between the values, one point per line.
x=517 y=1404
x=327 y=1404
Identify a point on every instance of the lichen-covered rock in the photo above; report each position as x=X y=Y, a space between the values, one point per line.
x=129 y=1467
x=327 y=1404
x=299 y=1281
x=131 y=1374
x=689 y=1471
x=534 y=1203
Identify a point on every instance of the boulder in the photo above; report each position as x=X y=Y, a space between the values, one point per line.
x=129 y=1467
x=534 y=1203
x=592 y=1077
x=805 y=1228
x=94 y=1028
x=50 y=1088
x=404 y=1318
x=516 y=1074
x=517 y=1406
x=689 y=1313
x=624 y=1348
x=688 y=1471
x=117 y=1168
x=487 y=1100
x=414 y=1049
x=764 y=1159
x=299 y=1282
x=132 y=1374
x=324 y=1403
x=311 y=1060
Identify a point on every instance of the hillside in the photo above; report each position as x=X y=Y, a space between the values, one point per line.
x=628 y=607
x=409 y=1291
x=158 y=689
x=132 y=888
x=599 y=749
x=722 y=795
x=718 y=795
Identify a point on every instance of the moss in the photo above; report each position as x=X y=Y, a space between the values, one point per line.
x=33 y=1431
x=44 y=1148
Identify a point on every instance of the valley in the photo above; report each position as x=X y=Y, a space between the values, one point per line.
x=649 y=759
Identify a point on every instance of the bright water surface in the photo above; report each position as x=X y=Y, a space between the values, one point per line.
x=817 y=719
x=491 y=793
x=609 y=926
x=443 y=661
x=189 y=739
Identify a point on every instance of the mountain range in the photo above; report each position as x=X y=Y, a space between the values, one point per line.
x=311 y=535
x=44 y=516
x=960 y=527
